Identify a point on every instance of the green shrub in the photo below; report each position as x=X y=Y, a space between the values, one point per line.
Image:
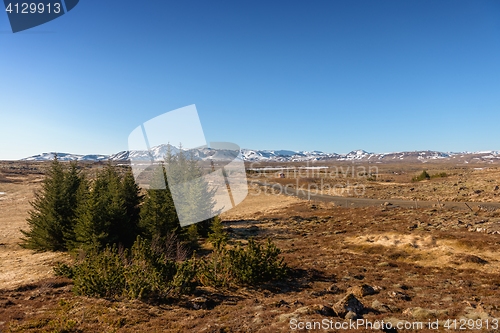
x=256 y=263
x=145 y=271
x=422 y=176
x=184 y=280
x=216 y=270
x=100 y=274
x=440 y=175
x=250 y=265
x=217 y=236
x=62 y=269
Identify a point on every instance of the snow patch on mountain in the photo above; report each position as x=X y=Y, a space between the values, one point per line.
x=159 y=153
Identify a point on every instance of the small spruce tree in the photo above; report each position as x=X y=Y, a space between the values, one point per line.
x=158 y=217
x=103 y=218
x=218 y=237
x=53 y=213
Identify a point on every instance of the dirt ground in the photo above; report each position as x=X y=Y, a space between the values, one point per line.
x=19 y=266
x=406 y=266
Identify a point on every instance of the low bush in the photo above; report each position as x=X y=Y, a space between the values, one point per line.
x=100 y=274
x=422 y=176
x=439 y=175
x=145 y=272
x=250 y=265
x=257 y=263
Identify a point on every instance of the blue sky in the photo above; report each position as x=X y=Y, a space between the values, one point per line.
x=302 y=75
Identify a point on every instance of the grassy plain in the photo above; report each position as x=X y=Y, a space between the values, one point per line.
x=401 y=264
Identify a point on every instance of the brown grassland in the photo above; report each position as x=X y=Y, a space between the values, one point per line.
x=401 y=264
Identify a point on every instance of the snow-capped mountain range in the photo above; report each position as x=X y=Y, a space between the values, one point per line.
x=159 y=152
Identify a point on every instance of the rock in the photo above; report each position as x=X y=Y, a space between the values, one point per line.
x=346 y=304
x=300 y=312
x=317 y=293
x=424 y=314
x=387 y=204
x=376 y=305
x=333 y=289
x=399 y=295
x=325 y=310
x=401 y=286
x=280 y=303
x=6 y=303
x=305 y=310
x=470 y=258
x=351 y=315
x=362 y=291
x=199 y=303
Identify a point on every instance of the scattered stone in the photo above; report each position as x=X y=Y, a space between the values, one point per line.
x=302 y=311
x=199 y=303
x=280 y=303
x=305 y=310
x=346 y=304
x=351 y=315
x=362 y=291
x=318 y=293
x=475 y=312
x=6 y=303
x=333 y=289
x=326 y=311
x=424 y=314
x=470 y=258
x=399 y=295
x=401 y=286
x=377 y=306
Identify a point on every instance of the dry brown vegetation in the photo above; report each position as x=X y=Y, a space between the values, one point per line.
x=401 y=264
x=461 y=183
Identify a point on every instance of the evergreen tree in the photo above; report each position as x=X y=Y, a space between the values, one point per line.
x=103 y=215
x=195 y=199
x=74 y=191
x=132 y=200
x=217 y=236
x=52 y=218
x=158 y=217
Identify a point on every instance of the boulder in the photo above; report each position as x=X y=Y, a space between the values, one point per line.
x=199 y=303
x=347 y=304
x=362 y=290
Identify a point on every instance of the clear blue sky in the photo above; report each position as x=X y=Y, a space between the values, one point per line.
x=302 y=75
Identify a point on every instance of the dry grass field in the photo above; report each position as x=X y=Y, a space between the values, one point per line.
x=399 y=265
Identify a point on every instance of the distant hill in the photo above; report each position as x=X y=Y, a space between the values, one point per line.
x=157 y=153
